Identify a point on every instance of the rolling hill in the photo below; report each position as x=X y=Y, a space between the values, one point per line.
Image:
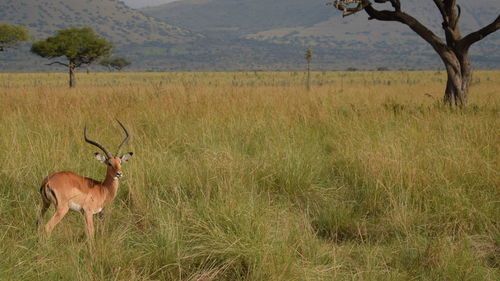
x=239 y=16
x=109 y=18
x=145 y=3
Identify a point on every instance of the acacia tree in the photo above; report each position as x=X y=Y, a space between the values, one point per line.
x=12 y=35
x=80 y=46
x=453 y=50
x=115 y=63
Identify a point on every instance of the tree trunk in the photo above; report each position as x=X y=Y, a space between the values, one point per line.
x=308 y=76
x=459 y=73
x=72 y=69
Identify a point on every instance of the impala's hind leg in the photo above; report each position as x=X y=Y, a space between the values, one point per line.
x=58 y=216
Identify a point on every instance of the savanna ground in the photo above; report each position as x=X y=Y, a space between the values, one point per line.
x=247 y=176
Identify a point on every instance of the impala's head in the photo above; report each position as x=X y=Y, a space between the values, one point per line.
x=114 y=163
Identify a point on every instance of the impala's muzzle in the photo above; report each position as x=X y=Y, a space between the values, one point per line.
x=118 y=175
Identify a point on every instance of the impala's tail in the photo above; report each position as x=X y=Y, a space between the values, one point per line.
x=48 y=195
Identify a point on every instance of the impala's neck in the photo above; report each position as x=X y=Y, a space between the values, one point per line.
x=111 y=183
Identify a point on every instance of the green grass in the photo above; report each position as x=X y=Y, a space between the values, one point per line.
x=247 y=176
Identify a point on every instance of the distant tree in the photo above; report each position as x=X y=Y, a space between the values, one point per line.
x=115 y=63
x=80 y=46
x=382 y=68
x=309 y=57
x=12 y=35
x=454 y=50
x=351 y=69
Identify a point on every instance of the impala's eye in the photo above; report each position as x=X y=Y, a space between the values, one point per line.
x=109 y=164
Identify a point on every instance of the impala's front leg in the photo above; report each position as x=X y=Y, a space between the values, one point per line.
x=89 y=220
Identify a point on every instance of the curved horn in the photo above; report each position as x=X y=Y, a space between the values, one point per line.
x=125 y=140
x=108 y=155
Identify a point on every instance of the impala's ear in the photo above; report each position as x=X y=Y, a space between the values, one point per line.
x=100 y=157
x=126 y=157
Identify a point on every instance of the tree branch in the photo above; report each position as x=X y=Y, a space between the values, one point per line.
x=450 y=12
x=411 y=22
x=449 y=6
x=395 y=3
x=443 y=50
x=440 y=6
x=343 y=5
x=58 y=62
x=473 y=37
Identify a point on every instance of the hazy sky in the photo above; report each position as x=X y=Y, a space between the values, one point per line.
x=145 y=3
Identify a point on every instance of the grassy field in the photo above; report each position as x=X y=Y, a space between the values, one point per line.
x=247 y=176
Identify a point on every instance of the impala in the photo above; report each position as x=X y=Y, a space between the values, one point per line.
x=69 y=191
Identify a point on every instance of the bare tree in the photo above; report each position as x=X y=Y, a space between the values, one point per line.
x=453 y=50
x=309 y=56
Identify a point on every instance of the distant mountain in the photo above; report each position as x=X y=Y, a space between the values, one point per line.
x=145 y=3
x=109 y=18
x=241 y=16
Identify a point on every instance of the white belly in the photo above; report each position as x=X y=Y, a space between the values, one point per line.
x=75 y=207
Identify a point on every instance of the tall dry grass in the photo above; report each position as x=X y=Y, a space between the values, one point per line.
x=247 y=176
